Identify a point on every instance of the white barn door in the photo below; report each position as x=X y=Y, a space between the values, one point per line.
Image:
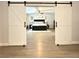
x=63 y=18
x=17 y=31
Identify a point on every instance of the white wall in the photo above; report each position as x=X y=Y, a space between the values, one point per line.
x=75 y=21
x=3 y=23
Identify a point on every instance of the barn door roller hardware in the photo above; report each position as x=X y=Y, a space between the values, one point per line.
x=16 y=3
x=62 y=3
x=56 y=3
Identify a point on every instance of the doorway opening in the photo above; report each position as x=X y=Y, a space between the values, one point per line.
x=40 y=25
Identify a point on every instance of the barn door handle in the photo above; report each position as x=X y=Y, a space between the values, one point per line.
x=24 y=24
x=56 y=23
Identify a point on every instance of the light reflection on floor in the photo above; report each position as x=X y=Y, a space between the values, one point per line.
x=40 y=44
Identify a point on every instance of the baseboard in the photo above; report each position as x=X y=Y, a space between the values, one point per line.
x=3 y=44
x=6 y=44
x=67 y=43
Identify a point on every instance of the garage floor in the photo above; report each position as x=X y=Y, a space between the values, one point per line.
x=40 y=44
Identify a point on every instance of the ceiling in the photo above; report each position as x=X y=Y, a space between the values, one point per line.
x=30 y=10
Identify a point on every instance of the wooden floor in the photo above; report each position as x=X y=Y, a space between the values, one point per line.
x=40 y=45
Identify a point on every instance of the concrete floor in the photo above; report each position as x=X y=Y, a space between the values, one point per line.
x=41 y=44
